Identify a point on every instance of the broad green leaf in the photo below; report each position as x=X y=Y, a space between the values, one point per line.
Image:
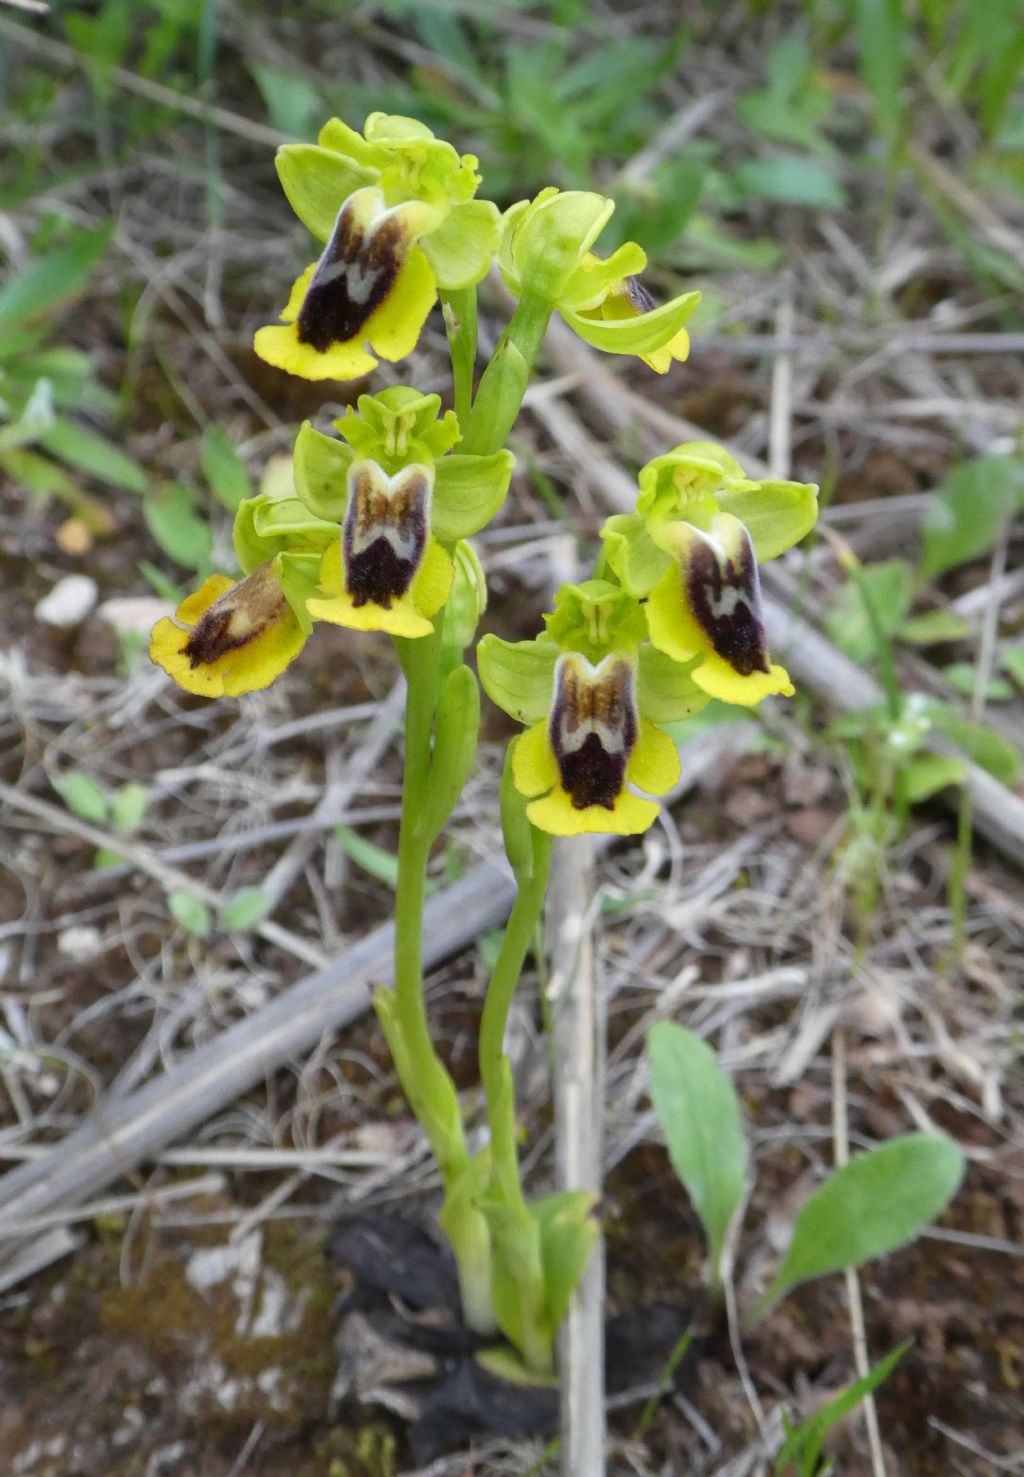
x=128 y=807
x=789 y=179
x=372 y=858
x=191 y=912
x=926 y=774
x=872 y=1205
x=293 y=103
x=1013 y=662
x=933 y=627
x=802 y=1447
x=979 y=742
x=55 y=279
x=224 y=469
x=889 y=587
x=882 y=27
x=83 y=796
x=173 y=522
x=94 y=455
x=244 y=909
x=962 y=677
x=700 y=1114
x=965 y=516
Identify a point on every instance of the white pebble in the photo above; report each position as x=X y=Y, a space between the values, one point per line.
x=69 y=602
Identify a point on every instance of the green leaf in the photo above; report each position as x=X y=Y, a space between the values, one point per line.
x=191 y=912
x=962 y=677
x=45 y=285
x=890 y=588
x=926 y=774
x=224 y=469
x=83 y=796
x=372 y=858
x=700 y=1114
x=174 y=524
x=1013 y=662
x=568 y=1230
x=128 y=807
x=934 y=627
x=802 y=1447
x=872 y=1205
x=94 y=455
x=979 y=742
x=293 y=103
x=882 y=34
x=789 y=179
x=244 y=909
x=965 y=516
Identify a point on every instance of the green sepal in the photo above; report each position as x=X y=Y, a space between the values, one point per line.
x=691 y=474
x=518 y=676
x=267 y=524
x=636 y=559
x=545 y=240
x=640 y=335
x=321 y=466
x=339 y=138
x=462 y=248
x=317 y=182
x=777 y=515
x=464 y=607
x=456 y=730
x=298 y=574
x=666 y=693
x=468 y=491
x=399 y=426
x=596 y=276
x=594 y=618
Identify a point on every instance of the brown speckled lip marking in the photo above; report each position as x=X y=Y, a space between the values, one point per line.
x=593 y=728
x=639 y=296
x=387 y=523
x=725 y=595
x=239 y=617
x=353 y=277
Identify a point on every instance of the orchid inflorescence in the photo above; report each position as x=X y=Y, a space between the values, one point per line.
x=373 y=534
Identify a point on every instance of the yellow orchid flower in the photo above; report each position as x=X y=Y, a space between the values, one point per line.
x=229 y=636
x=387 y=572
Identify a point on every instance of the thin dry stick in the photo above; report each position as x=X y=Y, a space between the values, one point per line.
x=841 y=1142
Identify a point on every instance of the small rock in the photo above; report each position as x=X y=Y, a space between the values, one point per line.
x=80 y=940
x=135 y=613
x=69 y=602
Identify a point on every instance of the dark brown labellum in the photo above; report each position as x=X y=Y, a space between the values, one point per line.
x=725 y=596
x=385 y=535
x=353 y=277
x=593 y=729
x=238 y=618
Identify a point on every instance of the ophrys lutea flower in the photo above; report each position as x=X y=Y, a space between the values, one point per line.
x=396 y=212
x=691 y=553
x=593 y=694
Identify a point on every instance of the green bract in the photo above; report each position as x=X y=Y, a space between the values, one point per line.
x=395 y=429
x=545 y=255
x=403 y=159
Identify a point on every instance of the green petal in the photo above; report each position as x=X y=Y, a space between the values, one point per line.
x=590 y=284
x=518 y=676
x=321 y=472
x=777 y=515
x=317 y=183
x=666 y=693
x=640 y=335
x=633 y=554
x=468 y=491
x=463 y=246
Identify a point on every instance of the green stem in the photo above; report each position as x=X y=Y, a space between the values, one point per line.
x=461 y=326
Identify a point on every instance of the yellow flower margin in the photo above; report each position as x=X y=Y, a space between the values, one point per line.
x=408 y=615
